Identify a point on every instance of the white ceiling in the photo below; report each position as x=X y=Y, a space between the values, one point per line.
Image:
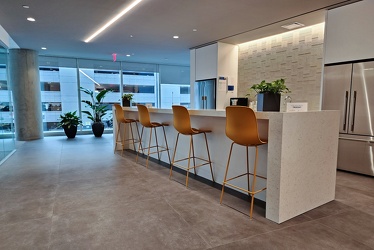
x=61 y=26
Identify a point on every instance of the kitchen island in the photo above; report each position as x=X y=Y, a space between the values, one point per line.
x=299 y=160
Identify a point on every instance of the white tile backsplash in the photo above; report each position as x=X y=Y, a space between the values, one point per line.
x=295 y=56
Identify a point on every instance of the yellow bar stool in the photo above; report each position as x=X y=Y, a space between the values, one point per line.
x=241 y=128
x=120 y=117
x=145 y=120
x=182 y=123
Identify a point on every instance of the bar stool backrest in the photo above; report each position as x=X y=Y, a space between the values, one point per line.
x=144 y=117
x=241 y=126
x=120 y=116
x=181 y=120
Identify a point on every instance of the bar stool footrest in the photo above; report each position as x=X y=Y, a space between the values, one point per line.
x=192 y=167
x=245 y=190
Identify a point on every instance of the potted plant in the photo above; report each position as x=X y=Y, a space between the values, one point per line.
x=69 y=122
x=98 y=110
x=126 y=99
x=269 y=94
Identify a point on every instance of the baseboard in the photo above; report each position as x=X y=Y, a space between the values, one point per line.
x=216 y=185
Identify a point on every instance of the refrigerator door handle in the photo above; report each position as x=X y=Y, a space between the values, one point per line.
x=345 y=111
x=353 y=139
x=354 y=110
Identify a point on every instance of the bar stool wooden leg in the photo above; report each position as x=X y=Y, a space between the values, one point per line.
x=189 y=161
x=210 y=161
x=139 y=137
x=158 y=152
x=118 y=129
x=149 y=146
x=193 y=155
x=122 y=138
x=166 y=143
x=137 y=132
x=227 y=170
x=132 y=136
x=140 y=145
x=247 y=162
x=172 y=163
x=253 y=184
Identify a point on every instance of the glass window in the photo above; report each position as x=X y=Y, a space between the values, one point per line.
x=60 y=79
x=7 y=144
x=175 y=86
x=142 y=80
x=97 y=76
x=59 y=89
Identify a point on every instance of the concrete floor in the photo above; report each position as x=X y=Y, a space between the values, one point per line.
x=76 y=194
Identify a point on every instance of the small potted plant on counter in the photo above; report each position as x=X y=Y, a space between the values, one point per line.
x=69 y=122
x=269 y=94
x=126 y=99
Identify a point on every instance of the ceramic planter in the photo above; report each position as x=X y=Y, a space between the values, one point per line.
x=268 y=101
x=126 y=103
x=70 y=132
x=98 y=129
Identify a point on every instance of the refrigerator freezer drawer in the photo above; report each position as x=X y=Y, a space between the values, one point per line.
x=356 y=155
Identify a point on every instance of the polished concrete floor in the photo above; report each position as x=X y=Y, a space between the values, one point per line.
x=76 y=194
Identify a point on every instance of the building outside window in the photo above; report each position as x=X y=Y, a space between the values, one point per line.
x=59 y=89
x=175 y=86
x=141 y=79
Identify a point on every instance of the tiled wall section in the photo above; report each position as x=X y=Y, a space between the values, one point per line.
x=295 y=56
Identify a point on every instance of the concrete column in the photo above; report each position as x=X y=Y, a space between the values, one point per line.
x=25 y=86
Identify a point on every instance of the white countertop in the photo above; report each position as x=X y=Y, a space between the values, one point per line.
x=221 y=112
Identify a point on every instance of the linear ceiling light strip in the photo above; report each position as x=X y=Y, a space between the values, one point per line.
x=127 y=9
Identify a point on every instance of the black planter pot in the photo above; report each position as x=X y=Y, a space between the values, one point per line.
x=70 y=132
x=126 y=103
x=268 y=101
x=98 y=129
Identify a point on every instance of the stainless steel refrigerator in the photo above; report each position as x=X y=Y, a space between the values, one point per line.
x=350 y=89
x=205 y=94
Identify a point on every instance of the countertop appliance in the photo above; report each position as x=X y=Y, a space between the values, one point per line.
x=350 y=89
x=239 y=101
x=205 y=94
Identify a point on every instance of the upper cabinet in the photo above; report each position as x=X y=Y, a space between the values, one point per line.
x=349 y=33
x=206 y=62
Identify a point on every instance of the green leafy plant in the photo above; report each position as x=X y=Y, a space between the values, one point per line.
x=128 y=96
x=98 y=108
x=69 y=119
x=277 y=86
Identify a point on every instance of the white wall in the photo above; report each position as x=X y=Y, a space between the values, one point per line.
x=350 y=33
x=228 y=68
x=192 y=77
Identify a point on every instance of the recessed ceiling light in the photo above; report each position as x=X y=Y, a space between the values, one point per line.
x=31 y=19
x=26 y=6
x=44 y=48
x=131 y=36
x=293 y=25
x=128 y=55
x=194 y=30
x=111 y=21
x=175 y=37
